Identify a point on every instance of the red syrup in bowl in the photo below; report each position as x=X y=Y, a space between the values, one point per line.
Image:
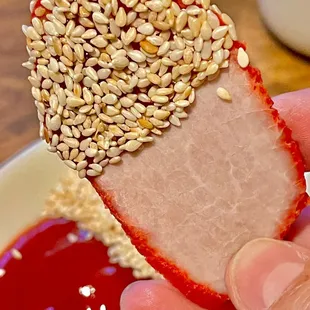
x=60 y=268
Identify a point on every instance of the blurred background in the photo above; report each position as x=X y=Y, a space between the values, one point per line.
x=282 y=69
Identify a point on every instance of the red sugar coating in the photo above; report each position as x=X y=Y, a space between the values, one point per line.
x=200 y=294
x=53 y=269
x=286 y=142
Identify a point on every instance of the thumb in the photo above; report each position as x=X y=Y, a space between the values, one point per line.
x=270 y=274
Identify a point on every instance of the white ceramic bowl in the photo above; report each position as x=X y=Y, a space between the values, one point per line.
x=25 y=182
x=289 y=20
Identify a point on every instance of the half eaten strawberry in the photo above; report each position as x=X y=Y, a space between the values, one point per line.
x=117 y=80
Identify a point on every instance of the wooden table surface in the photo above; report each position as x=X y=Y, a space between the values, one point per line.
x=282 y=70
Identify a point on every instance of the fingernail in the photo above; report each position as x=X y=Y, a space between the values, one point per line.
x=261 y=271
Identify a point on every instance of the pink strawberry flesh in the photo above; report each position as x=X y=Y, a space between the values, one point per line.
x=200 y=192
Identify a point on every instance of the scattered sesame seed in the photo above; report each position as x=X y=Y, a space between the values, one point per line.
x=87 y=290
x=72 y=238
x=16 y=254
x=2 y=273
x=76 y=200
x=223 y=94
x=243 y=58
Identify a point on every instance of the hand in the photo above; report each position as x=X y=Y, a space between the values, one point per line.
x=265 y=273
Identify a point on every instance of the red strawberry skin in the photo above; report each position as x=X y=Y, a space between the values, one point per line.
x=198 y=293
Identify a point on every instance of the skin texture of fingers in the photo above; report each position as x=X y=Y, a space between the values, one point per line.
x=297 y=295
x=154 y=295
x=269 y=274
x=294 y=108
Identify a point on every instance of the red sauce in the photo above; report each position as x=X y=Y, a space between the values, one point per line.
x=53 y=269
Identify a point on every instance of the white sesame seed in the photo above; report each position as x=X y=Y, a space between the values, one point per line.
x=215 y=9
x=99 y=41
x=32 y=5
x=188 y=2
x=217 y=44
x=47 y=4
x=228 y=44
x=72 y=238
x=182 y=103
x=59 y=27
x=115 y=160
x=155 y=5
x=16 y=254
x=243 y=58
x=227 y=19
x=225 y=64
x=81 y=165
x=193 y=10
x=145 y=139
x=132 y=145
x=28 y=65
x=2 y=272
x=100 y=18
x=62 y=147
x=71 y=142
x=111 y=110
x=104 y=163
x=136 y=56
x=181 y=21
x=96 y=167
x=161 y=114
x=50 y=29
x=160 y=99
x=120 y=18
x=131 y=135
x=84 y=144
x=82 y=173
x=74 y=102
x=113 y=152
x=56 y=77
x=176 y=55
x=70 y=164
x=92 y=173
x=146 y=29
x=119 y=119
x=219 y=32
x=232 y=32
x=218 y=56
x=87 y=290
x=89 y=152
x=31 y=33
x=213 y=20
x=226 y=54
x=66 y=131
x=119 y=63
x=55 y=140
x=55 y=123
x=205 y=4
x=103 y=73
x=73 y=154
x=88 y=132
x=223 y=94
